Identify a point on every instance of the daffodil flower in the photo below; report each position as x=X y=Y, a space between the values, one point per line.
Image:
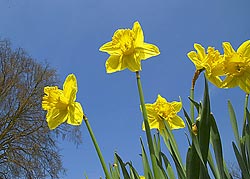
x=162 y=110
x=237 y=66
x=211 y=62
x=127 y=49
x=61 y=105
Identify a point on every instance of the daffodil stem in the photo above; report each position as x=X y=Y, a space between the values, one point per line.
x=148 y=133
x=192 y=105
x=99 y=153
x=245 y=111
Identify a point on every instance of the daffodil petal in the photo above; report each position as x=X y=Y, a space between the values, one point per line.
x=176 y=122
x=75 y=114
x=70 y=88
x=176 y=105
x=113 y=64
x=148 y=50
x=194 y=58
x=55 y=117
x=244 y=49
x=130 y=62
x=229 y=82
x=214 y=79
x=200 y=51
x=244 y=84
x=139 y=37
x=111 y=49
x=228 y=49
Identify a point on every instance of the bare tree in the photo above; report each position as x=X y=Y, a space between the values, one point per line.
x=28 y=149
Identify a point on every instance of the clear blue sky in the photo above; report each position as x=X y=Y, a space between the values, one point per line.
x=68 y=34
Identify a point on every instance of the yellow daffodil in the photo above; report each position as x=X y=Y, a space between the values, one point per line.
x=142 y=177
x=163 y=110
x=127 y=49
x=211 y=62
x=61 y=105
x=237 y=66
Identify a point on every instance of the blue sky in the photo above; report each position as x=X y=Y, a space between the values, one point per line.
x=68 y=34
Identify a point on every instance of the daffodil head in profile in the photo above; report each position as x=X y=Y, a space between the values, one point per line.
x=163 y=110
x=209 y=61
x=60 y=104
x=237 y=66
x=127 y=49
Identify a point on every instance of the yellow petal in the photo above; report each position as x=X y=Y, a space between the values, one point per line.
x=130 y=62
x=214 y=79
x=55 y=117
x=111 y=49
x=228 y=49
x=176 y=105
x=195 y=59
x=176 y=122
x=75 y=114
x=244 y=84
x=139 y=37
x=229 y=82
x=70 y=88
x=244 y=49
x=200 y=51
x=113 y=64
x=160 y=99
x=147 y=51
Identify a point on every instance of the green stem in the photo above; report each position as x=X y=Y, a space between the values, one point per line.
x=192 y=105
x=99 y=153
x=245 y=111
x=146 y=124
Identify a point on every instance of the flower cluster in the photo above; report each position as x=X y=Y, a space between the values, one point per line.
x=225 y=71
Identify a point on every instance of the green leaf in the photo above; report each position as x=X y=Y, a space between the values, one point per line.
x=168 y=136
x=204 y=132
x=133 y=172
x=248 y=137
x=123 y=167
x=234 y=123
x=181 y=172
x=196 y=104
x=217 y=146
x=146 y=167
x=115 y=169
x=195 y=141
x=168 y=166
x=192 y=164
x=241 y=163
x=204 y=125
x=212 y=166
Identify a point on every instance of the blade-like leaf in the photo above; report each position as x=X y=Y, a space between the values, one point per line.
x=192 y=164
x=204 y=132
x=146 y=167
x=168 y=166
x=217 y=146
x=234 y=123
x=243 y=167
x=212 y=166
x=204 y=125
x=180 y=171
x=123 y=167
